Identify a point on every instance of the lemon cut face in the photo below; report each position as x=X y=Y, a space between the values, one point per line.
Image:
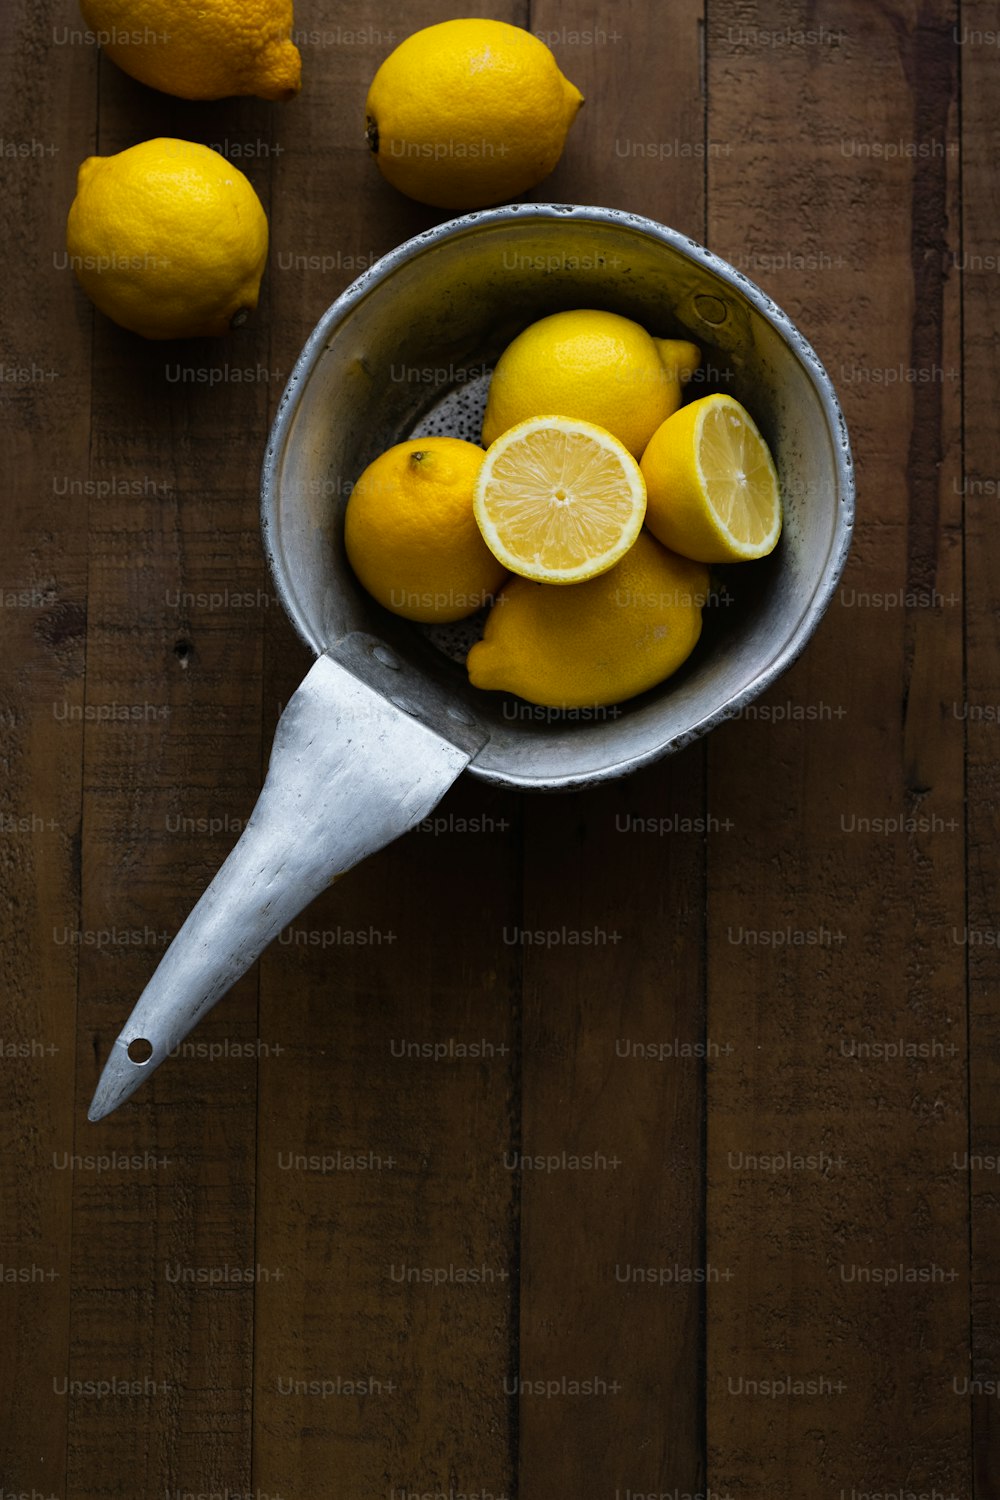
x=559 y=501
x=739 y=478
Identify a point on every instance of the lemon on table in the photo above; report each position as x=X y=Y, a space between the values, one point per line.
x=411 y=536
x=559 y=501
x=168 y=238
x=210 y=50
x=468 y=113
x=594 y=365
x=599 y=642
x=713 y=488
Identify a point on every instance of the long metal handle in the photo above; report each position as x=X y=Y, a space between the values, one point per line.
x=349 y=772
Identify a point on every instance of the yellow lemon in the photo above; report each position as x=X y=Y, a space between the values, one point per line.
x=593 y=365
x=713 y=488
x=469 y=112
x=205 y=51
x=598 y=642
x=411 y=536
x=559 y=501
x=168 y=238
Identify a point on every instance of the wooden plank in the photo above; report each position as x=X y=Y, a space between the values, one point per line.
x=433 y=975
x=858 y=249
x=47 y=115
x=613 y=1029
x=832 y=1127
x=978 y=265
x=164 y=1273
x=382 y=1184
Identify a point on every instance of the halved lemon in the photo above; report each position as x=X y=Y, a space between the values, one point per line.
x=713 y=492
x=559 y=500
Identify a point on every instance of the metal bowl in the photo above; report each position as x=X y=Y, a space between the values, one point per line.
x=423 y=325
x=385 y=720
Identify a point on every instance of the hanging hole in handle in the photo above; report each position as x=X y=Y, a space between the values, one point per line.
x=711 y=309
x=140 y=1050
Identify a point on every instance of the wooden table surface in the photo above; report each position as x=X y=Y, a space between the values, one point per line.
x=306 y=1260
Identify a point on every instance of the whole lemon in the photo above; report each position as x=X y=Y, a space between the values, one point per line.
x=468 y=113
x=594 y=366
x=411 y=534
x=168 y=238
x=594 y=643
x=210 y=50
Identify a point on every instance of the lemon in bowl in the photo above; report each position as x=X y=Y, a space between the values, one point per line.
x=559 y=501
x=599 y=642
x=713 y=489
x=594 y=365
x=411 y=534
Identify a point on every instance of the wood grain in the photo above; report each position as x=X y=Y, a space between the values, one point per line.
x=613 y=1028
x=831 y=1134
x=164 y=1267
x=46 y=116
x=329 y=1268
x=434 y=1414
x=976 y=705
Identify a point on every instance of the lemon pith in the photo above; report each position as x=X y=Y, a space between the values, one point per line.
x=468 y=113
x=559 y=501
